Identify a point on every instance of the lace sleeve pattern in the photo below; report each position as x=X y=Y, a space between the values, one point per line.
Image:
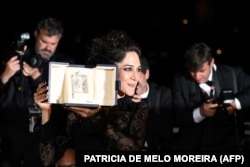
x=126 y=125
x=52 y=149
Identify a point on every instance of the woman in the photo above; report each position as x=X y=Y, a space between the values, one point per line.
x=120 y=127
x=126 y=121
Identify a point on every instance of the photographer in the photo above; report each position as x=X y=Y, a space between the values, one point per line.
x=209 y=100
x=21 y=72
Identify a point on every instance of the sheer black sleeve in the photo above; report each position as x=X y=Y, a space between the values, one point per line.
x=126 y=126
x=55 y=136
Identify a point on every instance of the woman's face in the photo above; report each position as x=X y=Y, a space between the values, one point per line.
x=129 y=70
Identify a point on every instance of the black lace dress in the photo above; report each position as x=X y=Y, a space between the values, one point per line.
x=67 y=129
x=121 y=127
x=126 y=125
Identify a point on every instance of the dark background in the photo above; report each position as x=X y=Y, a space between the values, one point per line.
x=157 y=26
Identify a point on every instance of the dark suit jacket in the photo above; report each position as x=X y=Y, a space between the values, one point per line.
x=212 y=133
x=160 y=120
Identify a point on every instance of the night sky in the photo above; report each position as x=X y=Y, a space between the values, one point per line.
x=157 y=27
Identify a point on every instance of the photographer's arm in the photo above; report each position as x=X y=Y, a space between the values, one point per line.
x=34 y=73
x=233 y=106
x=207 y=109
x=11 y=67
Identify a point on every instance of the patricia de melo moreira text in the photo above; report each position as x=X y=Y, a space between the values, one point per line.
x=165 y=158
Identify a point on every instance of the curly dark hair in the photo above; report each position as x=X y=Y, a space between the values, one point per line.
x=111 y=48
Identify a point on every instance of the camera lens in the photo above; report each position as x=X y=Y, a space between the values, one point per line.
x=34 y=60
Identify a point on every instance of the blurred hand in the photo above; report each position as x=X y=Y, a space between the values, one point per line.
x=40 y=96
x=34 y=73
x=12 y=66
x=84 y=111
x=208 y=109
x=231 y=108
x=136 y=98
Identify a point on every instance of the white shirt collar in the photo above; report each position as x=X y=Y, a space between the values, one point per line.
x=206 y=87
x=145 y=95
x=211 y=74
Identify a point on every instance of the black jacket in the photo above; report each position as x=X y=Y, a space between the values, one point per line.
x=160 y=120
x=17 y=94
x=212 y=133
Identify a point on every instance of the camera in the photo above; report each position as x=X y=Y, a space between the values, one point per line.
x=20 y=47
x=33 y=59
x=225 y=98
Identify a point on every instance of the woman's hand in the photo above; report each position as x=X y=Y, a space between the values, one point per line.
x=40 y=96
x=136 y=98
x=84 y=111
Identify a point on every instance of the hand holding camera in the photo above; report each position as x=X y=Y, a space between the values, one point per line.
x=20 y=48
x=225 y=102
x=19 y=57
x=208 y=109
x=12 y=66
x=226 y=98
x=34 y=73
x=25 y=55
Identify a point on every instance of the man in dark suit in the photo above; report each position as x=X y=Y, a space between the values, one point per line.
x=209 y=120
x=160 y=121
x=22 y=69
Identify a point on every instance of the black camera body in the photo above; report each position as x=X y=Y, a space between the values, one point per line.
x=33 y=59
x=225 y=98
x=20 y=48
